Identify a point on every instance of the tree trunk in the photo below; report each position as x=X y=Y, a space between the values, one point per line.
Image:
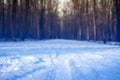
x=94 y=19
x=118 y=18
x=14 y=11
x=3 y=18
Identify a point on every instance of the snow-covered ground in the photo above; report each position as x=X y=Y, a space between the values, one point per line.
x=59 y=60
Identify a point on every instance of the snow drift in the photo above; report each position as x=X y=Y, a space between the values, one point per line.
x=59 y=60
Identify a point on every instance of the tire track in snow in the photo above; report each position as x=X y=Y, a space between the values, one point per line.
x=63 y=71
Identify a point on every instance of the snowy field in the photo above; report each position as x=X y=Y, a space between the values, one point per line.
x=59 y=60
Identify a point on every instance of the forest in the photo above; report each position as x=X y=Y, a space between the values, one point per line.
x=97 y=20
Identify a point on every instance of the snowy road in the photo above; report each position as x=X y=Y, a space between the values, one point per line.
x=59 y=60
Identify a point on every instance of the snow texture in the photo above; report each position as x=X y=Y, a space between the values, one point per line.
x=59 y=60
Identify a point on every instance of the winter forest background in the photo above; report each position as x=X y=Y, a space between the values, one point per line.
x=60 y=19
x=59 y=39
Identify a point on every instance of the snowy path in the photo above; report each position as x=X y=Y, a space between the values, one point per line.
x=59 y=60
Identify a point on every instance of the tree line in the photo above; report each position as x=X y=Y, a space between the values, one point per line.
x=45 y=19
